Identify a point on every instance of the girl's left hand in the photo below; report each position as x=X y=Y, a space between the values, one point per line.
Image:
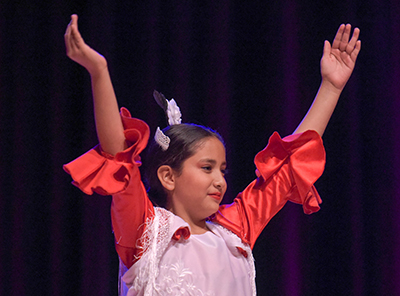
x=338 y=60
x=80 y=52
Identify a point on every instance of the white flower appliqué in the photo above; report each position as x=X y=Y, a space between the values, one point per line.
x=178 y=280
x=174 y=113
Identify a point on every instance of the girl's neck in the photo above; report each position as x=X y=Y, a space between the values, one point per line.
x=198 y=228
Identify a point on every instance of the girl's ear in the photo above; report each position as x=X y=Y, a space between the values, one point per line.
x=167 y=177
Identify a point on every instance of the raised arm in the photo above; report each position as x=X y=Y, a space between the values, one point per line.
x=337 y=64
x=110 y=131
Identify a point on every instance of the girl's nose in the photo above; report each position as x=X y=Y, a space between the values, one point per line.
x=219 y=181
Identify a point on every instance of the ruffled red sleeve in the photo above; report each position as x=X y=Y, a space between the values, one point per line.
x=97 y=171
x=287 y=170
x=119 y=176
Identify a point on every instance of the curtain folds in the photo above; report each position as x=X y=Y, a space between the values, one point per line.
x=244 y=68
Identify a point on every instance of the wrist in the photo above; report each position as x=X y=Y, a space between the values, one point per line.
x=96 y=64
x=330 y=87
x=98 y=71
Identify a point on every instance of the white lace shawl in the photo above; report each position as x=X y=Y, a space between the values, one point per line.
x=140 y=279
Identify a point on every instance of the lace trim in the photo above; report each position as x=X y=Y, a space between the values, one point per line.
x=152 y=245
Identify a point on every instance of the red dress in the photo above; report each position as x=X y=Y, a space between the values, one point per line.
x=286 y=170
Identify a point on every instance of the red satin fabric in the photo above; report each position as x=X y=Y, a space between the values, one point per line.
x=181 y=233
x=119 y=176
x=286 y=169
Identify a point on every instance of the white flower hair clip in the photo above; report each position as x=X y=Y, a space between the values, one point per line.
x=173 y=114
x=162 y=139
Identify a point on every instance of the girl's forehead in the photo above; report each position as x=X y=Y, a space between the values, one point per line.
x=211 y=146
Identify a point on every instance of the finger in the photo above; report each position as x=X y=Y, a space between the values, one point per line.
x=74 y=24
x=345 y=37
x=66 y=40
x=353 y=41
x=68 y=29
x=338 y=37
x=356 y=51
x=74 y=20
x=76 y=38
x=68 y=32
x=67 y=37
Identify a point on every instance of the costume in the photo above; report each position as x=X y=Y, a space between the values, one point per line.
x=158 y=254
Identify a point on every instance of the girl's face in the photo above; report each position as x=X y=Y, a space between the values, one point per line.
x=201 y=185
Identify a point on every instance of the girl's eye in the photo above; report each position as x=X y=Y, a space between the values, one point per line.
x=207 y=168
x=224 y=172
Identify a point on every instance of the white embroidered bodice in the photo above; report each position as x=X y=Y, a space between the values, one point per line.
x=206 y=264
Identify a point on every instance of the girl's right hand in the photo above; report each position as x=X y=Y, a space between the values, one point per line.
x=80 y=52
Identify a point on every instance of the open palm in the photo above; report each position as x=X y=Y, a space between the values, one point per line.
x=338 y=60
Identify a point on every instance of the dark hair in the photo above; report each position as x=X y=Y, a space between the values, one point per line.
x=184 y=140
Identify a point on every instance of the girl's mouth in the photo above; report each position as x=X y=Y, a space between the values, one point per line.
x=216 y=195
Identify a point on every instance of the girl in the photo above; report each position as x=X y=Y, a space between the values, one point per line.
x=183 y=242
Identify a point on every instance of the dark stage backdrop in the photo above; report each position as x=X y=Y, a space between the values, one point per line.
x=245 y=68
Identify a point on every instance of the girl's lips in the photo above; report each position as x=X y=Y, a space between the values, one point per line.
x=216 y=195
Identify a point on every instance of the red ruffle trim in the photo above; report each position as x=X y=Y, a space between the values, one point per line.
x=305 y=155
x=97 y=171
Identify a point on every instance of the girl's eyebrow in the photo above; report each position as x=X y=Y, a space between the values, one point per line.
x=211 y=161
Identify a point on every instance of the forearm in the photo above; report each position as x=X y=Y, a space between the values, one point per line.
x=337 y=64
x=110 y=131
x=321 y=110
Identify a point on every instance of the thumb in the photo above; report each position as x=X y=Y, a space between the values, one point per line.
x=327 y=48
